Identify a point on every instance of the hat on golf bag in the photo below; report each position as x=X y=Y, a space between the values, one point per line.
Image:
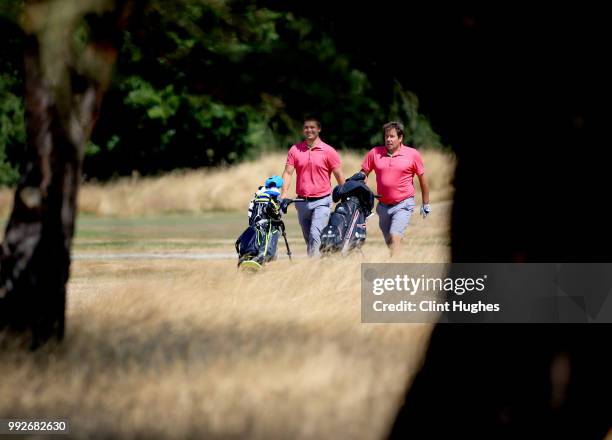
x=274 y=181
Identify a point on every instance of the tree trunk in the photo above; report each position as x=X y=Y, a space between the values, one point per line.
x=64 y=89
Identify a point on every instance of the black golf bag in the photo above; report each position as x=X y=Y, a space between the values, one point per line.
x=346 y=229
x=258 y=243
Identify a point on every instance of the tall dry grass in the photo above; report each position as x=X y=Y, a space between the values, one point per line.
x=225 y=189
x=6 y=201
x=197 y=350
x=194 y=349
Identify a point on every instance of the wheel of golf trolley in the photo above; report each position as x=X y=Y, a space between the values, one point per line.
x=250 y=266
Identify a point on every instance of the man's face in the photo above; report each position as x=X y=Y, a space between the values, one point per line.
x=392 y=141
x=311 y=131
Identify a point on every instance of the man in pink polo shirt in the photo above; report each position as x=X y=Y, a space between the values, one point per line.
x=395 y=166
x=314 y=161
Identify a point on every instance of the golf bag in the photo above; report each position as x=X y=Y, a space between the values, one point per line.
x=258 y=243
x=346 y=229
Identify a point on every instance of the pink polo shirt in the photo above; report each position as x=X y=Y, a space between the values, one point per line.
x=394 y=175
x=313 y=167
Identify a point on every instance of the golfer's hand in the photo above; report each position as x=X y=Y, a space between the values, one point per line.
x=357 y=176
x=425 y=210
x=284 y=203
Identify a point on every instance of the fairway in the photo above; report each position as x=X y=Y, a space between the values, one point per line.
x=177 y=347
x=217 y=232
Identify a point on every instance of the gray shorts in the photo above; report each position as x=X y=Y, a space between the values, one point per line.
x=394 y=219
x=313 y=217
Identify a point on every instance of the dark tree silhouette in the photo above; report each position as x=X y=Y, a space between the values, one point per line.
x=525 y=112
x=70 y=51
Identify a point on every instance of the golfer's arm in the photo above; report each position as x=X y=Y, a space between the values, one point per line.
x=424 y=189
x=287 y=180
x=367 y=173
x=339 y=175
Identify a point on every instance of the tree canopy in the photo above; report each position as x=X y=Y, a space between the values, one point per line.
x=202 y=82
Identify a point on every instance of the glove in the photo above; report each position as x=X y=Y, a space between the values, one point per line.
x=425 y=209
x=284 y=203
x=358 y=176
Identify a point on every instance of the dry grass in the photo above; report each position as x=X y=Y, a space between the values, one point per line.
x=223 y=189
x=6 y=201
x=227 y=189
x=193 y=349
x=190 y=349
x=196 y=350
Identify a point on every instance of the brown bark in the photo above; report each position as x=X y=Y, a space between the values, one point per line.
x=64 y=89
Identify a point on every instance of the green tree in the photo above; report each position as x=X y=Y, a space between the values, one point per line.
x=207 y=82
x=217 y=82
x=12 y=126
x=405 y=108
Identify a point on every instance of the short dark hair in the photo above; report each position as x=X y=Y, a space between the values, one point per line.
x=399 y=128
x=313 y=119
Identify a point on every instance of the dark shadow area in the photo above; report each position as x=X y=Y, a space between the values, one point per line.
x=524 y=101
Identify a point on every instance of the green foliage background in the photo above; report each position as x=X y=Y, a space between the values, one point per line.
x=210 y=82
